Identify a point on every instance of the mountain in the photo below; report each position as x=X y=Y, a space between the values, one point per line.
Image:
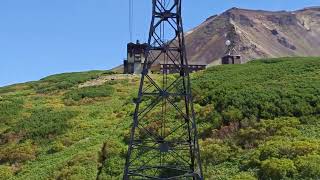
x=256 y=34
x=259 y=120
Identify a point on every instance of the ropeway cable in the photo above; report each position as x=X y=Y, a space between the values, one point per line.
x=131 y=13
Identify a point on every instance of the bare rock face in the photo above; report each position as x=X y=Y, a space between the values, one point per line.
x=257 y=34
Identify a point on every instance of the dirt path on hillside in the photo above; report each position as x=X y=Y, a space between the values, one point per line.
x=103 y=79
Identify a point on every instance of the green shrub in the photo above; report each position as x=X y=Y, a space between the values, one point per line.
x=309 y=166
x=7 y=89
x=80 y=166
x=72 y=173
x=208 y=119
x=9 y=108
x=5 y=172
x=66 y=80
x=232 y=114
x=213 y=152
x=16 y=153
x=89 y=92
x=310 y=120
x=264 y=89
x=45 y=123
x=111 y=159
x=273 y=126
x=258 y=132
x=244 y=176
x=276 y=169
x=287 y=148
x=251 y=137
x=57 y=147
x=250 y=160
x=288 y=132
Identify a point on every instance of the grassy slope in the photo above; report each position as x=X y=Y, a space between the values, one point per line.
x=51 y=129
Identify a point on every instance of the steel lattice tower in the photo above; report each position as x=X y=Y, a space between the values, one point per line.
x=163 y=142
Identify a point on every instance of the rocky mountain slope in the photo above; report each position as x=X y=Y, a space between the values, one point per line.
x=256 y=34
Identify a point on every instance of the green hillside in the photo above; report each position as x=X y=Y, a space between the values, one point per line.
x=260 y=120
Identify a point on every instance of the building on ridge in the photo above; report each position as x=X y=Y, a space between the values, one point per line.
x=231 y=56
x=135 y=58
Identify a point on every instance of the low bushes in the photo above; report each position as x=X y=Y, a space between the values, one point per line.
x=262 y=89
x=275 y=169
x=231 y=103
x=66 y=80
x=258 y=132
x=9 y=108
x=5 y=172
x=80 y=166
x=88 y=92
x=214 y=153
x=244 y=176
x=17 y=153
x=45 y=123
x=269 y=149
x=309 y=166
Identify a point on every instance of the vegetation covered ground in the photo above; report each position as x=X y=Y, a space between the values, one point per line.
x=260 y=120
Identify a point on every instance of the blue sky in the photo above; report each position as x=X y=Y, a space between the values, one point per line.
x=44 y=37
